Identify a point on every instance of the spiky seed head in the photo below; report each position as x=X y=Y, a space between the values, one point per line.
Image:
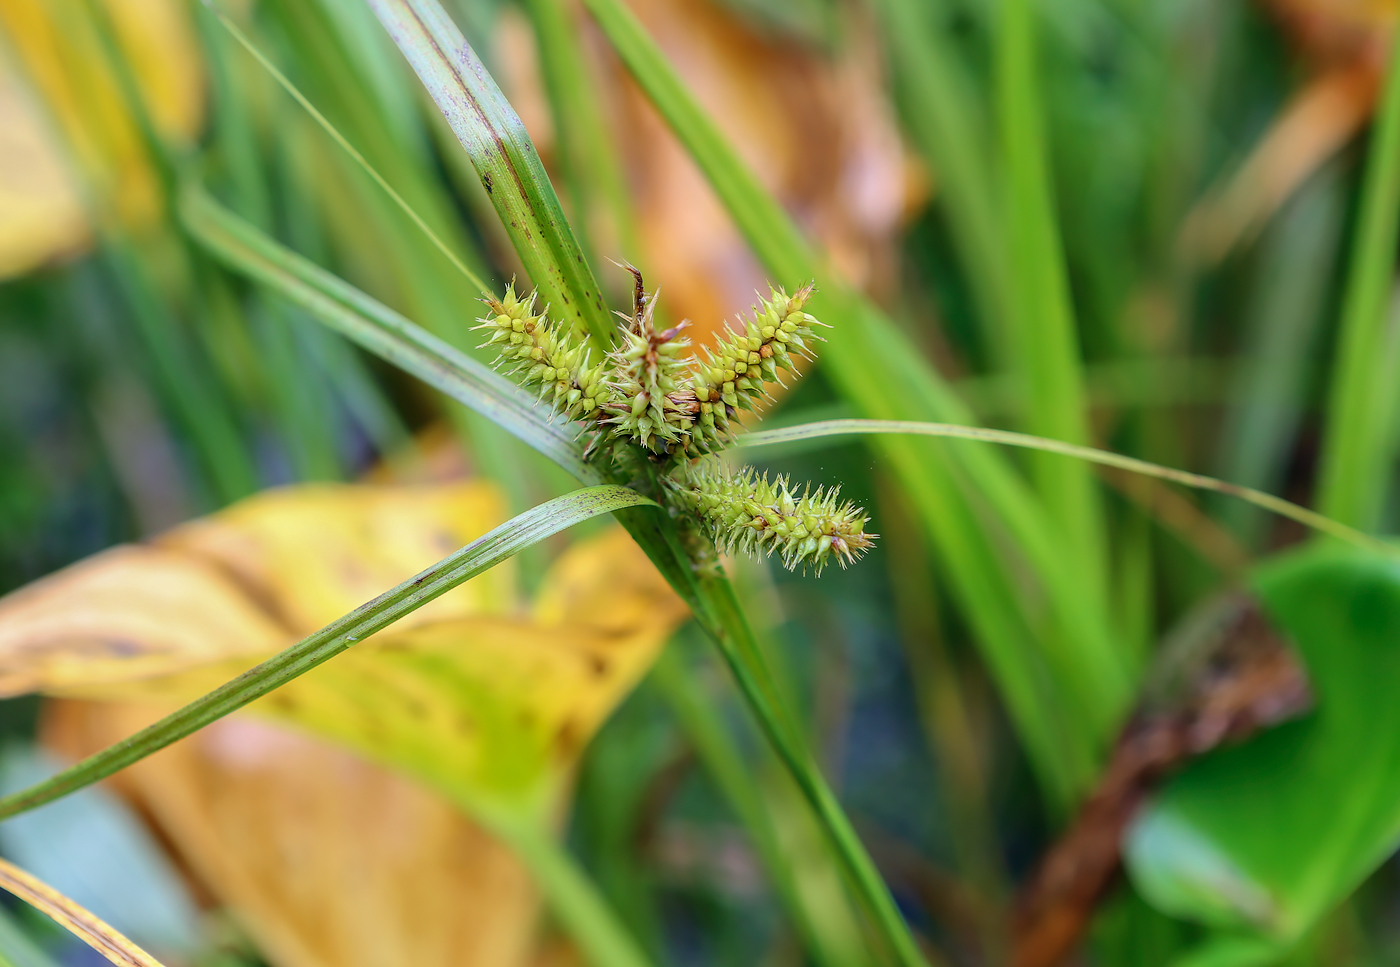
x=747 y=512
x=540 y=355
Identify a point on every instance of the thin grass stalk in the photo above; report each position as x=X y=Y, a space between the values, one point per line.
x=1277 y=505
x=1358 y=451
x=593 y=170
x=707 y=734
x=731 y=632
x=1045 y=344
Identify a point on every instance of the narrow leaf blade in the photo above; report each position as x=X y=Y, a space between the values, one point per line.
x=379 y=329
x=504 y=158
x=482 y=554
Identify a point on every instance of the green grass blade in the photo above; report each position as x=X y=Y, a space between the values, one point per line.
x=571 y=895
x=1358 y=454
x=593 y=170
x=1044 y=345
x=380 y=330
x=942 y=114
x=480 y=555
x=1287 y=308
x=504 y=158
x=1277 y=505
x=1064 y=719
x=350 y=149
x=703 y=725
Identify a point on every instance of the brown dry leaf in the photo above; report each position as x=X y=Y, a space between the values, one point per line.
x=329 y=861
x=1345 y=45
x=488 y=701
x=79 y=115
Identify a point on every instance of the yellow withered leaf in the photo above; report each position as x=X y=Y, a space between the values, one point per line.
x=482 y=695
x=491 y=709
x=126 y=614
x=313 y=552
x=328 y=860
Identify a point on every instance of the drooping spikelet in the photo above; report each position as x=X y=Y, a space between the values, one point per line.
x=653 y=402
x=733 y=374
x=748 y=512
x=547 y=357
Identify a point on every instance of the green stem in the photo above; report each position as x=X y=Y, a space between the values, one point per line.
x=726 y=766
x=571 y=895
x=727 y=625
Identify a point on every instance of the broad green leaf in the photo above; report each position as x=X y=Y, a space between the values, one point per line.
x=380 y=330
x=73 y=918
x=1267 y=836
x=504 y=157
x=338 y=636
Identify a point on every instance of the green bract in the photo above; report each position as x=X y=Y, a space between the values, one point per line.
x=652 y=393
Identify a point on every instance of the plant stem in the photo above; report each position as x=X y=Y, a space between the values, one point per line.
x=571 y=895
x=725 y=621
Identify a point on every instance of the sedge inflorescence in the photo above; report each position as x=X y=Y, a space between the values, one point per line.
x=747 y=512
x=653 y=393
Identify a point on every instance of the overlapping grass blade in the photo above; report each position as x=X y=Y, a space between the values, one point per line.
x=480 y=555
x=942 y=114
x=1044 y=344
x=1360 y=446
x=1277 y=505
x=1064 y=681
x=79 y=921
x=380 y=330
x=504 y=157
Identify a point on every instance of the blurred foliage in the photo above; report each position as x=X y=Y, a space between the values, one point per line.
x=1166 y=227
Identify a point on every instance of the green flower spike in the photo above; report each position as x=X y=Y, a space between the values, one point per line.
x=747 y=512
x=653 y=401
x=734 y=373
x=652 y=393
x=542 y=356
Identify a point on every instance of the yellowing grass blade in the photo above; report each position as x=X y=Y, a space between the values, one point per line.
x=94 y=931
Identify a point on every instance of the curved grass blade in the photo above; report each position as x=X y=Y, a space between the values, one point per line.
x=92 y=930
x=379 y=329
x=504 y=158
x=480 y=555
x=1258 y=498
